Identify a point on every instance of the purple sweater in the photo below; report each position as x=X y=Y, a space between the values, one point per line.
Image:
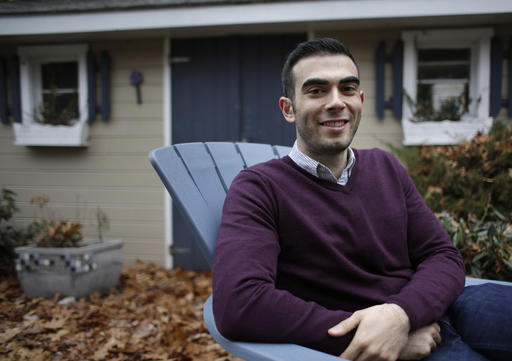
x=296 y=255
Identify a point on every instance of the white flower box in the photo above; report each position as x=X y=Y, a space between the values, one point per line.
x=35 y=134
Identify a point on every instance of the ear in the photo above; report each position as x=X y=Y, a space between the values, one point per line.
x=362 y=96
x=287 y=109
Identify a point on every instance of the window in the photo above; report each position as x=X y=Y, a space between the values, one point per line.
x=446 y=85
x=443 y=84
x=53 y=96
x=59 y=93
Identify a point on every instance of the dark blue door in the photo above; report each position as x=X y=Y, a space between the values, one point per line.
x=226 y=89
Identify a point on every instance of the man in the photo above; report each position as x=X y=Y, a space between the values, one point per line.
x=331 y=247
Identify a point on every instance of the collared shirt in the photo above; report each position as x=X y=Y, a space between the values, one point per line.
x=319 y=170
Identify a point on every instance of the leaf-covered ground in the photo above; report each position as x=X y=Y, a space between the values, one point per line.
x=154 y=314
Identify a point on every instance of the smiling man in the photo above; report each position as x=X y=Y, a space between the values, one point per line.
x=332 y=247
x=326 y=108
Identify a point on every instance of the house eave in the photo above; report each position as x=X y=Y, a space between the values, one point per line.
x=244 y=14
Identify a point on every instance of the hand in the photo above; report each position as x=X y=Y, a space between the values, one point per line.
x=421 y=342
x=382 y=332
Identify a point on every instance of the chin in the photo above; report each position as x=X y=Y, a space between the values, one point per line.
x=332 y=148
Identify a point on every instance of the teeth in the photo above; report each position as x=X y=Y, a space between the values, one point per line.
x=334 y=124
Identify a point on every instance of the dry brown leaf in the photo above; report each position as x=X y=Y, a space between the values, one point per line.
x=9 y=334
x=59 y=335
x=103 y=351
x=54 y=324
x=154 y=314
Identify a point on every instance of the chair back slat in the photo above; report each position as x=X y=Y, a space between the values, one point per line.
x=227 y=159
x=281 y=150
x=202 y=169
x=254 y=153
x=197 y=176
x=187 y=197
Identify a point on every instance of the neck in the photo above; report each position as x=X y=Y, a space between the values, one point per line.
x=336 y=162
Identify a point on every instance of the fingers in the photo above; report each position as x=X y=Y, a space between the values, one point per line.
x=345 y=326
x=437 y=327
x=381 y=334
x=351 y=352
x=437 y=338
x=421 y=342
x=436 y=334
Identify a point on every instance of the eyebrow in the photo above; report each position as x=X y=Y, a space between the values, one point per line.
x=320 y=81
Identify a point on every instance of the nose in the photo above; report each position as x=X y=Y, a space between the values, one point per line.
x=335 y=100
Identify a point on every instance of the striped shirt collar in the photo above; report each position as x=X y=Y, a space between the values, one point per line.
x=319 y=170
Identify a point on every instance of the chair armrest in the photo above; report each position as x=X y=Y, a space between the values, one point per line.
x=478 y=281
x=262 y=351
x=283 y=352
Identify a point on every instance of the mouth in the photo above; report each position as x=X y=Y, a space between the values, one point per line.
x=334 y=123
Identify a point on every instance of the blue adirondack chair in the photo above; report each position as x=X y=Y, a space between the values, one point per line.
x=197 y=176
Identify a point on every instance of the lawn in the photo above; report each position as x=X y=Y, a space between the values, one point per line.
x=153 y=314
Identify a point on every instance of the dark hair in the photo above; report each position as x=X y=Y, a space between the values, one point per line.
x=324 y=46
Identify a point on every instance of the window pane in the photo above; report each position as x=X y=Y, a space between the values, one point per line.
x=60 y=75
x=443 y=83
x=443 y=63
x=59 y=108
x=443 y=54
x=60 y=92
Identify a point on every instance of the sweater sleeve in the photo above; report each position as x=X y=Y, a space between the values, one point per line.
x=439 y=270
x=246 y=303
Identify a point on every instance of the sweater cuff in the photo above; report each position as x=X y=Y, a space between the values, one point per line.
x=408 y=310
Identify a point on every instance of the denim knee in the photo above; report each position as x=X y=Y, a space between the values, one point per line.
x=482 y=316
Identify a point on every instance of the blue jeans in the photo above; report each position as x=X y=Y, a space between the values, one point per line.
x=478 y=326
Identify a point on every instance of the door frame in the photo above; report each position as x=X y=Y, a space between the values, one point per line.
x=167 y=96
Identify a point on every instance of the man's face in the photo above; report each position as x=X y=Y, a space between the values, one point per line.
x=327 y=105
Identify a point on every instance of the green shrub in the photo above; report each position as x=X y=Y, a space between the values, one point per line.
x=43 y=233
x=11 y=237
x=467 y=179
x=486 y=246
x=469 y=187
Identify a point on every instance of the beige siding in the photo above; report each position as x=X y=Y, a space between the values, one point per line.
x=372 y=132
x=113 y=172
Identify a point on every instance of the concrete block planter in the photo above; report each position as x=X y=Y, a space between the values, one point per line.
x=77 y=271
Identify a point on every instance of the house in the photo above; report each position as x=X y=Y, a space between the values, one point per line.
x=134 y=75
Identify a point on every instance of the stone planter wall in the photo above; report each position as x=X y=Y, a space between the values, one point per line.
x=77 y=272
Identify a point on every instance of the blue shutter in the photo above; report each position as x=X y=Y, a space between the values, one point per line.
x=509 y=99
x=104 y=69
x=380 y=62
x=3 y=93
x=14 y=80
x=497 y=56
x=397 y=60
x=105 y=86
x=398 y=82
x=496 y=76
x=91 y=85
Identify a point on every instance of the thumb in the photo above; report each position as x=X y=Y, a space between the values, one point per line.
x=345 y=326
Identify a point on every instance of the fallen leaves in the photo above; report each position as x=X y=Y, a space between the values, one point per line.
x=154 y=314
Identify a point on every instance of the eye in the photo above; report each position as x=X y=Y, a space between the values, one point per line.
x=349 y=88
x=315 y=91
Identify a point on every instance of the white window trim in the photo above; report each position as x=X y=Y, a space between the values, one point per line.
x=448 y=132
x=31 y=133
